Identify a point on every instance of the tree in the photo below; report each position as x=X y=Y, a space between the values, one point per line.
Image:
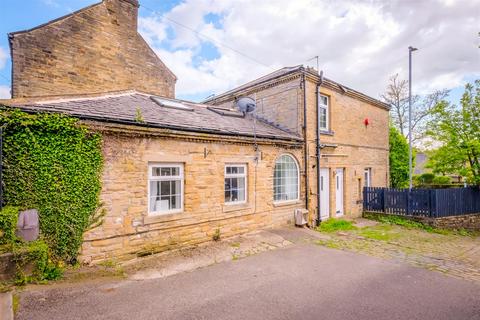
x=458 y=130
x=396 y=96
x=398 y=159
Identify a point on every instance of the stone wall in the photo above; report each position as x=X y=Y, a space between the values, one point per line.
x=353 y=146
x=7 y=267
x=281 y=104
x=128 y=230
x=356 y=146
x=96 y=49
x=468 y=221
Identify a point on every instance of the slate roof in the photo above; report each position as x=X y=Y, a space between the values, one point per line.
x=275 y=74
x=125 y=108
x=290 y=70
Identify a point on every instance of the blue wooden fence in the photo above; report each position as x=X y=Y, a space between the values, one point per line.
x=433 y=203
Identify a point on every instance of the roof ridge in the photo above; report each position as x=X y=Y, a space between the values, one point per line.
x=73 y=97
x=12 y=34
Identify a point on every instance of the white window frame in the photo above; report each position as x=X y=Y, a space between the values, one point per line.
x=151 y=178
x=321 y=105
x=236 y=175
x=298 y=179
x=367 y=176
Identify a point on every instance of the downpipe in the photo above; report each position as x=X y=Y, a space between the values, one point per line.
x=317 y=92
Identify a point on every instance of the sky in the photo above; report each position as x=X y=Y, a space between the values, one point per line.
x=215 y=45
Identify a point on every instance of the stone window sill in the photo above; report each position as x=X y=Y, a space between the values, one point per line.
x=162 y=218
x=236 y=207
x=286 y=203
x=326 y=132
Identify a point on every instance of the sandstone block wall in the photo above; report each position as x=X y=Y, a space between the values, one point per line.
x=128 y=229
x=96 y=49
x=357 y=146
x=468 y=222
x=280 y=104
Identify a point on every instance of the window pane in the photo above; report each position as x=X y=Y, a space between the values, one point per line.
x=175 y=187
x=285 y=182
x=175 y=171
x=234 y=195
x=154 y=188
x=324 y=100
x=165 y=188
x=175 y=202
x=323 y=117
x=229 y=170
x=241 y=183
x=155 y=172
x=241 y=194
x=234 y=182
x=165 y=171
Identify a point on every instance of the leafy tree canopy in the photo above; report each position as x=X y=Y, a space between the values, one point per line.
x=398 y=159
x=458 y=130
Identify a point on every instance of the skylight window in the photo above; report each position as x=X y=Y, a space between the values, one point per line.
x=227 y=112
x=166 y=103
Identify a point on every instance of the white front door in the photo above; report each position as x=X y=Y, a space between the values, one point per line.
x=339 y=192
x=324 y=194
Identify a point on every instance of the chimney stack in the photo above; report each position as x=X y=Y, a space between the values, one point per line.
x=125 y=12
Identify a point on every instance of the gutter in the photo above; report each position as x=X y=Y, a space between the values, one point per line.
x=318 y=147
x=305 y=149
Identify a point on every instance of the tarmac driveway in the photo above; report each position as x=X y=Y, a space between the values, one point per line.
x=301 y=281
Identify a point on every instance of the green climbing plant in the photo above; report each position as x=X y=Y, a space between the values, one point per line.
x=52 y=163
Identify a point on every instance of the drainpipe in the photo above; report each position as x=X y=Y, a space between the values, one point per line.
x=305 y=151
x=317 y=91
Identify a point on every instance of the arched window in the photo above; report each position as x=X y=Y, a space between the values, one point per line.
x=285 y=179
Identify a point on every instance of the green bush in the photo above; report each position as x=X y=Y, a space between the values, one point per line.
x=53 y=164
x=441 y=180
x=33 y=264
x=8 y=224
x=426 y=178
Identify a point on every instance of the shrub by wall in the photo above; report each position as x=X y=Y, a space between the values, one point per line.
x=53 y=164
x=8 y=224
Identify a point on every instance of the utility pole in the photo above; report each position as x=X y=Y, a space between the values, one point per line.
x=410 y=50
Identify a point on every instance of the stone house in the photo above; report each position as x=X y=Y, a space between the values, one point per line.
x=345 y=135
x=177 y=172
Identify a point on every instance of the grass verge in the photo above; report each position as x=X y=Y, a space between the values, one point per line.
x=332 y=225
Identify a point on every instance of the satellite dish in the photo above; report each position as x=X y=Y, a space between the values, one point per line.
x=246 y=104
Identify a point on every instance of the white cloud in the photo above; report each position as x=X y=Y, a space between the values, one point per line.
x=4 y=92
x=3 y=58
x=360 y=44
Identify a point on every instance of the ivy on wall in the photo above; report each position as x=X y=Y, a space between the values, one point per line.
x=52 y=163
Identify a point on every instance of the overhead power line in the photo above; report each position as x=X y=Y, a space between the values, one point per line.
x=211 y=39
x=4 y=77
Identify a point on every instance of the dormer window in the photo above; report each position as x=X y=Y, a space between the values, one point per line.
x=323 y=106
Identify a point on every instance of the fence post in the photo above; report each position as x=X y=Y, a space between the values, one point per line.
x=384 y=202
x=364 y=198
x=431 y=210
x=408 y=202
